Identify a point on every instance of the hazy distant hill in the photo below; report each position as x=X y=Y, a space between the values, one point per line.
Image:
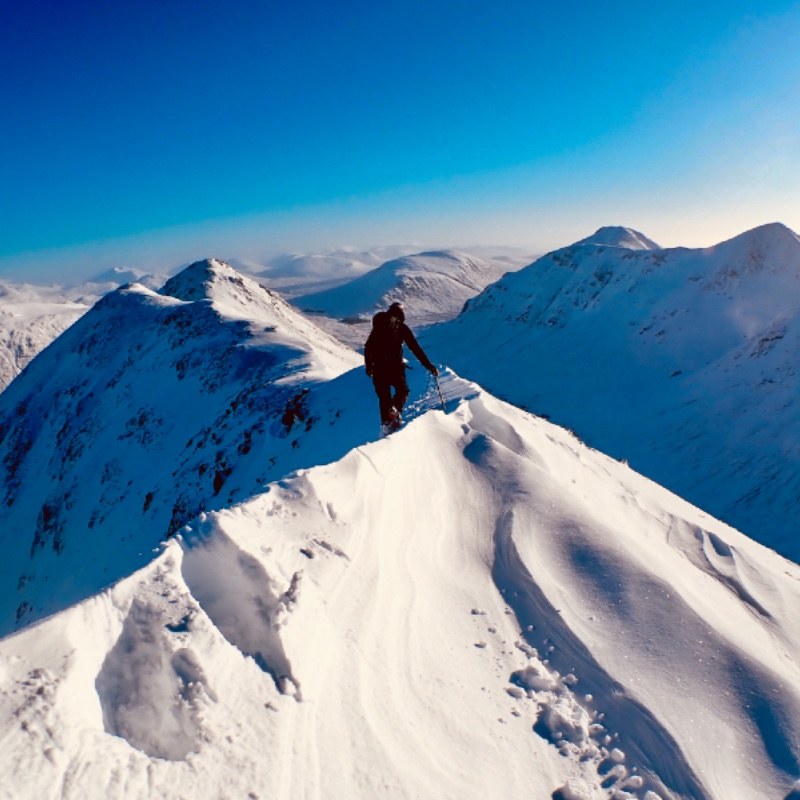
x=33 y=316
x=432 y=286
x=299 y=273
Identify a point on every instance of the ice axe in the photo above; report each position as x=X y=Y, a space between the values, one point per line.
x=439 y=389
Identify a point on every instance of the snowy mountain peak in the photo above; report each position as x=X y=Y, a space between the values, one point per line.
x=774 y=243
x=196 y=281
x=234 y=296
x=445 y=255
x=439 y=253
x=618 y=236
x=684 y=340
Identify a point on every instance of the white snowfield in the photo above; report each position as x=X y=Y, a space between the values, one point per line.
x=477 y=607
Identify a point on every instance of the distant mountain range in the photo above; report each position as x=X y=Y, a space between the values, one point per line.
x=432 y=287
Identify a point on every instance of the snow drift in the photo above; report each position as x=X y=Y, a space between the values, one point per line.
x=478 y=606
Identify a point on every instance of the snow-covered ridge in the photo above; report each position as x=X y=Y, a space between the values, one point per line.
x=432 y=286
x=33 y=316
x=139 y=416
x=682 y=361
x=478 y=606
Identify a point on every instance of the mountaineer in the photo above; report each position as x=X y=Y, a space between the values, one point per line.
x=383 y=356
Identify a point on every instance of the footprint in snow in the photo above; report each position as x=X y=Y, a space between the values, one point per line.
x=149 y=695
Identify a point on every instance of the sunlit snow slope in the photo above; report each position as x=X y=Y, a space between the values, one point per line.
x=152 y=407
x=478 y=606
x=32 y=316
x=432 y=286
x=683 y=362
x=228 y=586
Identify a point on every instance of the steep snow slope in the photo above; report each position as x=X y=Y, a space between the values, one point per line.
x=149 y=409
x=33 y=316
x=28 y=323
x=682 y=361
x=478 y=606
x=432 y=286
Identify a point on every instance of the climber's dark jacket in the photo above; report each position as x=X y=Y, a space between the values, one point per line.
x=383 y=352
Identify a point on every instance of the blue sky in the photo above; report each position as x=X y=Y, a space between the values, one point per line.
x=153 y=133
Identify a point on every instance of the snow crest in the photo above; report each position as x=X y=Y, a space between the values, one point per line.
x=648 y=354
x=478 y=605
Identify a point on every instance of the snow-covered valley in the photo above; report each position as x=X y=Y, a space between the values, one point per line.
x=227 y=585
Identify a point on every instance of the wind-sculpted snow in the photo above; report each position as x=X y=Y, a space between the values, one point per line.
x=148 y=693
x=240 y=601
x=476 y=606
x=682 y=362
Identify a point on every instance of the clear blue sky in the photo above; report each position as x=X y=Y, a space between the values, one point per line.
x=151 y=133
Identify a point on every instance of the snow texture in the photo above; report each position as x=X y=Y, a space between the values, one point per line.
x=273 y=601
x=681 y=362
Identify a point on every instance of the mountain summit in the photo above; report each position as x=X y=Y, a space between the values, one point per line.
x=616 y=236
x=649 y=355
x=431 y=286
x=139 y=417
x=239 y=590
